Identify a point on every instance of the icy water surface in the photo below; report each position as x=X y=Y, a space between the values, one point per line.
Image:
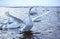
x=48 y=27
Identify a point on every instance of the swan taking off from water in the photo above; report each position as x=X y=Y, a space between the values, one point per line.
x=22 y=15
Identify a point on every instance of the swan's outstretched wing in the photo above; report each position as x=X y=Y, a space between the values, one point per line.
x=39 y=17
x=19 y=20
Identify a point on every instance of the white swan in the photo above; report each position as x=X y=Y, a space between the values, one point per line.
x=25 y=19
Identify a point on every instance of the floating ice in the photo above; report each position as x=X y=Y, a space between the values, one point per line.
x=12 y=25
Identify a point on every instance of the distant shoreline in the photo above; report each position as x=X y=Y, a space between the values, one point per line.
x=30 y=6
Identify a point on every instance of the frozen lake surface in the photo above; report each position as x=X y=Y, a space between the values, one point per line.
x=48 y=26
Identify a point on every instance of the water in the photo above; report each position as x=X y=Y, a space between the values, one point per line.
x=48 y=27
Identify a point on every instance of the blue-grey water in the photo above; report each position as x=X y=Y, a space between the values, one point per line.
x=48 y=26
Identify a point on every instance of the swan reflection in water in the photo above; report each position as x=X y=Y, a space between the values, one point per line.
x=29 y=35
